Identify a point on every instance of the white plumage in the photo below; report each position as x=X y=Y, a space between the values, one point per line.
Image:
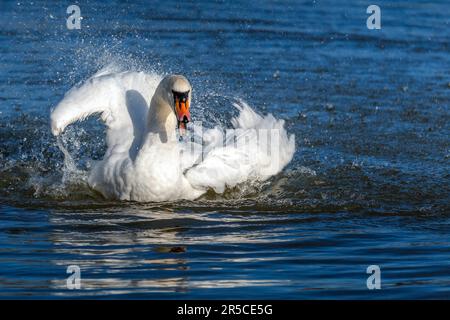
x=145 y=161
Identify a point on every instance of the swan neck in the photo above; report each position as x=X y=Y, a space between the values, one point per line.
x=161 y=120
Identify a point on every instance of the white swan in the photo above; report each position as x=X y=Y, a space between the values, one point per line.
x=145 y=161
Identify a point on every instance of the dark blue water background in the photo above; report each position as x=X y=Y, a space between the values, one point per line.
x=369 y=183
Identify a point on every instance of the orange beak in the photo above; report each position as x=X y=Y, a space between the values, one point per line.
x=182 y=112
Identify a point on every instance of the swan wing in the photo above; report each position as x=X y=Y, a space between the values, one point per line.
x=120 y=99
x=258 y=148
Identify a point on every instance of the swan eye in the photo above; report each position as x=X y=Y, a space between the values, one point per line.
x=180 y=96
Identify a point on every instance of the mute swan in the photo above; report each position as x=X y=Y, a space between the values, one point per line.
x=145 y=161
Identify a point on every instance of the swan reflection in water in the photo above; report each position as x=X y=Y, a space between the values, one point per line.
x=146 y=250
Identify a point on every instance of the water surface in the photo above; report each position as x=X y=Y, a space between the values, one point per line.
x=369 y=183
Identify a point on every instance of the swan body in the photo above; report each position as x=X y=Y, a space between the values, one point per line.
x=145 y=161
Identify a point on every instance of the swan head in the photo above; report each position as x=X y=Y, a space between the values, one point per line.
x=181 y=91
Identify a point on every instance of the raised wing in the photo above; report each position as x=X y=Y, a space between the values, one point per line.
x=256 y=149
x=120 y=99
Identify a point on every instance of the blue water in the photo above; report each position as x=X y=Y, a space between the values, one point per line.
x=369 y=183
